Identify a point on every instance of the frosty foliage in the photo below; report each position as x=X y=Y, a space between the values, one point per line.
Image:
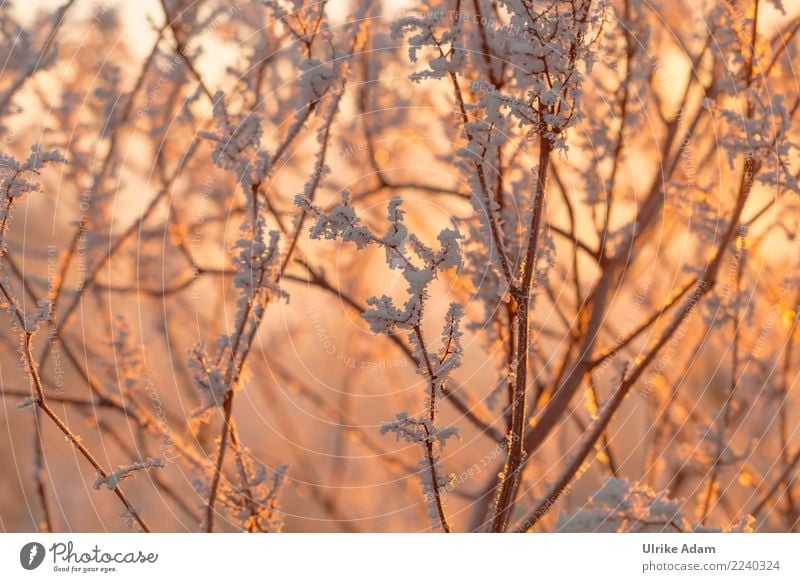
x=420 y=266
x=622 y=506
x=429 y=31
x=420 y=430
x=112 y=480
x=109 y=93
x=256 y=258
x=257 y=265
x=615 y=186
x=209 y=378
x=237 y=144
x=18 y=178
x=419 y=263
x=255 y=501
x=316 y=80
x=126 y=365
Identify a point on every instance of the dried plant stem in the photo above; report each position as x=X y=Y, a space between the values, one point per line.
x=725 y=420
x=40 y=400
x=60 y=15
x=428 y=445
x=512 y=473
x=449 y=394
x=704 y=286
x=39 y=472
x=783 y=480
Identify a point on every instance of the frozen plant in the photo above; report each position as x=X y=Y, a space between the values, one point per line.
x=621 y=506
x=126 y=471
x=541 y=227
x=420 y=265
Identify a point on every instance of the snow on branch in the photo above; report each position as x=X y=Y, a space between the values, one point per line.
x=622 y=506
x=112 y=480
x=237 y=144
x=404 y=251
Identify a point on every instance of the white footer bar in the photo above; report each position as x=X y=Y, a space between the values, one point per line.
x=390 y=557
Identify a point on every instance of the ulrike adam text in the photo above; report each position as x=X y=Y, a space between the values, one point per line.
x=684 y=549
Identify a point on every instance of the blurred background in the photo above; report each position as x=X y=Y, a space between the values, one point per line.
x=132 y=239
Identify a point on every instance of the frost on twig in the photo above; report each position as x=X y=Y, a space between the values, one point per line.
x=26 y=403
x=24 y=322
x=38 y=316
x=404 y=251
x=420 y=430
x=112 y=480
x=209 y=378
x=18 y=178
x=446 y=58
x=622 y=506
x=126 y=365
x=130 y=515
x=237 y=144
x=256 y=502
x=252 y=499
x=420 y=265
x=257 y=265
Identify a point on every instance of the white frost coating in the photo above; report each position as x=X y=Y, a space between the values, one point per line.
x=237 y=144
x=420 y=265
x=403 y=251
x=18 y=178
x=315 y=81
x=622 y=506
x=112 y=479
